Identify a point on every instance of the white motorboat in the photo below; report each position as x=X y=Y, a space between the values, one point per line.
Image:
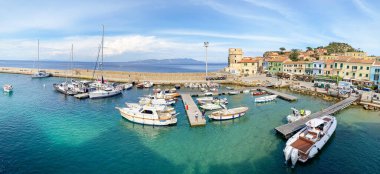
x=220 y=101
x=103 y=93
x=159 y=108
x=128 y=86
x=61 y=87
x=148 y=84
x=203 y=89
x=157 y=90
x=265 y=99
x=229 y=88
x=208 y=93
x=210 y=106
x=227 y=114
x=233 y=92
x=8 y=88
x=213 y=89
x=309 y=141
x=156 y=101
x=246 y=91
x=173 y=90
x=147 y=115
x=204 y=99
x=297 y=115
x=40 y=73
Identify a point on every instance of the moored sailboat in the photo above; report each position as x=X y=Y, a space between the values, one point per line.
x=103 y=89
x=40 y=73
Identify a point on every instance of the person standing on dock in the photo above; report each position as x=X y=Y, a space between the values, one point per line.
x=203 y=113
x=196 y=116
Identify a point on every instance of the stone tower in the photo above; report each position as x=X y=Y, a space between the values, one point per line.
x=234 y=56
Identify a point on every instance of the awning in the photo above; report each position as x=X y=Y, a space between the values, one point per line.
x=314 y=122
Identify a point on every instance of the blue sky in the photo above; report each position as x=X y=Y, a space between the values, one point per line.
x=177 y=29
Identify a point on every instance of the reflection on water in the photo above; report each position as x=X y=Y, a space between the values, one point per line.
x=145 y=131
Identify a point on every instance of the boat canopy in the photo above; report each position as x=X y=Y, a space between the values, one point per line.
x=315 y=122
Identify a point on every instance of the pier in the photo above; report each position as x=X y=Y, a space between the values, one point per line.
x=289 y=129
x=279 y=94
x=191 y=110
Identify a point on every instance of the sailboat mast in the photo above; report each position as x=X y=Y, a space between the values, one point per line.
x=38 y=55
x=102 y=49
x=72 y=59
x=101 y=68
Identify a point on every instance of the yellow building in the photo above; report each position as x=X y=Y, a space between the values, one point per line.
x=355 y=54
x=328 y=57
x=249 y=66
x=295 y=67
x=352 y=69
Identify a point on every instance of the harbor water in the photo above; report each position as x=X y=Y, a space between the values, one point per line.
x=42 y=131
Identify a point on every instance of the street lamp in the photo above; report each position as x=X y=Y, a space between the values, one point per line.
x=206 y=45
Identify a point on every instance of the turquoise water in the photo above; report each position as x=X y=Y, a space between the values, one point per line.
x=42 y=131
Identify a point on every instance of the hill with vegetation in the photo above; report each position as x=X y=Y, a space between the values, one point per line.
x=338 y=47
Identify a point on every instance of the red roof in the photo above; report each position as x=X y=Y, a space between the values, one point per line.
x=249 y=60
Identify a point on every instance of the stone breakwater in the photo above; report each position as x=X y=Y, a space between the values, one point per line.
x=119 y=76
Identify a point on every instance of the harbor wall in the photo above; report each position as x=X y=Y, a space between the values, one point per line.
x=119 y=76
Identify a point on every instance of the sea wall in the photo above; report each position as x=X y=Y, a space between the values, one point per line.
x=119 y=76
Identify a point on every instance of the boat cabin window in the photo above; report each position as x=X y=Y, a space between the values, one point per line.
x=147 y=112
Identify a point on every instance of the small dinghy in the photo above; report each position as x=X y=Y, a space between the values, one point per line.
x=8 y=88
x=128 y=86
x=265 y=99
x=210 y=106
x=310 y=140
x=227 y=114
x=297 y=115
x=233 y=92
x=208 y=93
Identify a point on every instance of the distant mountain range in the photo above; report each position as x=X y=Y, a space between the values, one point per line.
x=168 y=61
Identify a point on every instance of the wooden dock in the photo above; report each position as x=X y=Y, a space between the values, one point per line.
x=289 y=129
x=192 y=110
x=280 y=94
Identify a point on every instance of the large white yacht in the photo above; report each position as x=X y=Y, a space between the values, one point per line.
x=309 y=141
x=147 y=115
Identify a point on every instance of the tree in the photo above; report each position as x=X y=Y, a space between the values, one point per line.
x=309 y=49
x=294 y=55
x=282 y=49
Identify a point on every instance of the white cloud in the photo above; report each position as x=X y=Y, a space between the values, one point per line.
x=364 y=7
x=117 y=48
x=226 y=35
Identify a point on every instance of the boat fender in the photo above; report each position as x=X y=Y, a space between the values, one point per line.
x=313 y=152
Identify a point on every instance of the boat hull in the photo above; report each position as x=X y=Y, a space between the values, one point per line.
x=230 y=117
x=103 y=94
